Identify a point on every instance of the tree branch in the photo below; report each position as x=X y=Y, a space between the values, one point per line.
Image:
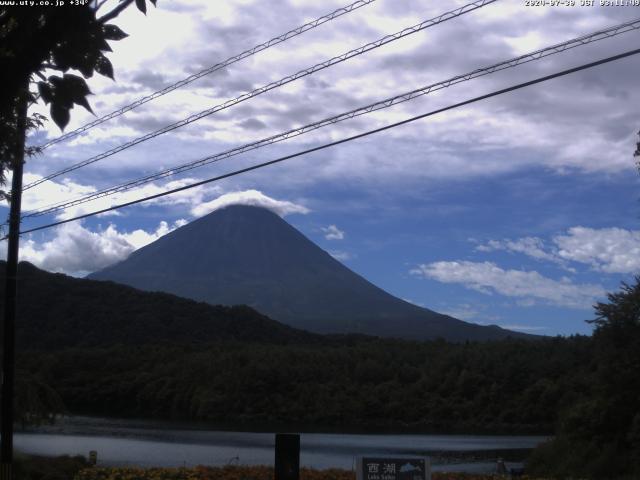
x=100 y=4
x=115 y=12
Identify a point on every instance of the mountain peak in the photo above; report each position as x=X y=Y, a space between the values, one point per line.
x=245 y=254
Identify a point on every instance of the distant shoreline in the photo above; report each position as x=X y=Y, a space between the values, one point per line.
x=264 y=427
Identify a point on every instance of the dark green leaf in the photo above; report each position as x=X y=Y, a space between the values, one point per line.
x=103 y=45
x=46 y=93
x=142 y=6
x=76 y=90
x=76 y=84
x=86 y=64
x=55 y=81
x=83 y=102
x=61 y=93
x=60 y=115
x=104 y=67
x=112 y=32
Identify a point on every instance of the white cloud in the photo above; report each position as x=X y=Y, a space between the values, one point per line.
x=488 y=278
x=75 y=250
x=526 y=43
x=253 y=198
x=609 y=250
x=340 y=255
x=463 y=311
x=333 y=233
x=140 y=238
x=50 y=192
x=188 y=199
x=193 y=200
x=531 y=246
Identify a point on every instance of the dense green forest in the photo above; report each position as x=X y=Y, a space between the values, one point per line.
x=514 y=386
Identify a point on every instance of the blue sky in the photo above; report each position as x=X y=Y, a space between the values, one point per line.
x=521 y=211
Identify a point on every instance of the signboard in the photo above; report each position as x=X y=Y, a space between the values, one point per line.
x=397 y=468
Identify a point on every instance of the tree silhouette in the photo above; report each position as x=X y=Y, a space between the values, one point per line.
x=599 y=436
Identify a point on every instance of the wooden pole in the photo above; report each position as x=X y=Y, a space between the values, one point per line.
x=11 y=277
x=287 y=461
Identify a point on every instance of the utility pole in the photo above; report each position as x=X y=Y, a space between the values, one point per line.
x=637 y=153
x=11 y=277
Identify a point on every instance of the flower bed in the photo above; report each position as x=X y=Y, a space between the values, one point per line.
x=238 y=473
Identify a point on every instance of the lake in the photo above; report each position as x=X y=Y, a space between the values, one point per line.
x=164 y=444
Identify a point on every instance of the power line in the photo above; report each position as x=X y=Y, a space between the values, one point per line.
x=386 y=103
x=341 y=141
x=229 y=61
x=270 y=86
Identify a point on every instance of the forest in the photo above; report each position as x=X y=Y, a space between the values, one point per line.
x=514 y=386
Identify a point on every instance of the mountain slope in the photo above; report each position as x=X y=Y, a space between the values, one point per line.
x=56 y=311
x=249 y=255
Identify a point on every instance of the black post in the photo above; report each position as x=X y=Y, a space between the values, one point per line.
x=287 y=465
x=8 y=340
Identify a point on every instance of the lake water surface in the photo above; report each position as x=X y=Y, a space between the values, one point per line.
x=148 y=443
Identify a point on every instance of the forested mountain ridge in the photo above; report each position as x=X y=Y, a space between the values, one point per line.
x=56 y=311
x=249 y=255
